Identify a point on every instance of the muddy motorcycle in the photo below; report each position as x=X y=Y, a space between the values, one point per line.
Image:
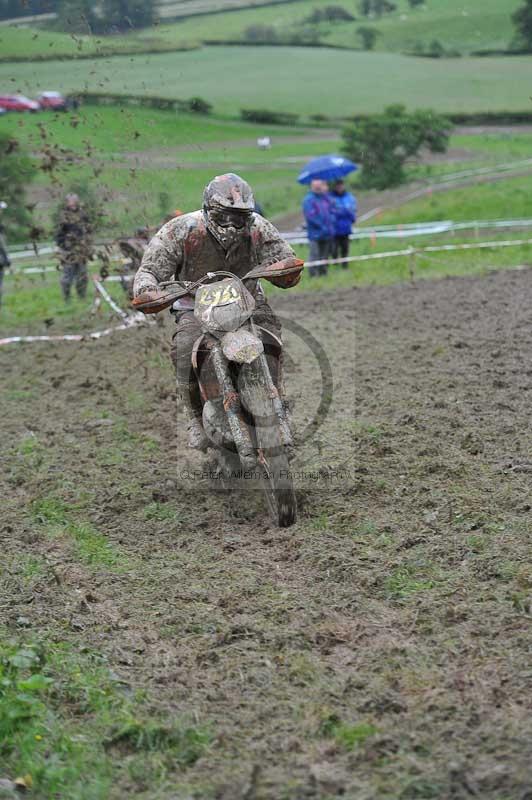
x=234 y=362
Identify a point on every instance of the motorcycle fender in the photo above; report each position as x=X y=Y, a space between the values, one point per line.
x=242 y=346
x=216 y=424
x=255 y=391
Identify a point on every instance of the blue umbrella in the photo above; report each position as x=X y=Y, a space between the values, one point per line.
x=328 y=168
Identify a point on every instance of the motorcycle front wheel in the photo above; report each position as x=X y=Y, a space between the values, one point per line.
x=274 y=471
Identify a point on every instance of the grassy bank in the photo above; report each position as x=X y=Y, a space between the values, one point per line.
x=504 y=199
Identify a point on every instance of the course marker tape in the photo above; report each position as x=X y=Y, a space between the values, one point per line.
x=413 y=250
x=107 y=297
x=70 y=337
x=139 y=319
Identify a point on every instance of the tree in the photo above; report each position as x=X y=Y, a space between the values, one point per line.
x=331 y=13
x=383 y=143
x=381 y=7
x=522 y=19
x=122 y=15
x=368 y=36
x=77 y=16
x=260 y=33
x=16 y=172
x=376 y=8
x=436 y=49
x=415 y=3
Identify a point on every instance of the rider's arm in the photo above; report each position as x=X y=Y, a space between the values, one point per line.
x=162 y=260
x=271 y=247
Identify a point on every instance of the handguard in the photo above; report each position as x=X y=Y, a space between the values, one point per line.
x=153 y=302
x=156 y=300
x=286 y=273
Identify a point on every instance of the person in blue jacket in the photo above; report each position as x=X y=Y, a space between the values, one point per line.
x=318 y=210
x=345 y=215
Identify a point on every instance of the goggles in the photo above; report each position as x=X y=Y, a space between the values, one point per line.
x=229 y=218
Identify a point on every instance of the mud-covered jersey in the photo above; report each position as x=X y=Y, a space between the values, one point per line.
x=184 y=249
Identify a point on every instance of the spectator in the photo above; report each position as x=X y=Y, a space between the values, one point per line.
x=318 y=209
x=4 y=258
x=75 y=246
x=345 y=215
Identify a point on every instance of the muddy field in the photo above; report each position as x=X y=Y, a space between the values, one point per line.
x=379 y=648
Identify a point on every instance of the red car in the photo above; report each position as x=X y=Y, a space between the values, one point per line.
x=53 y=101
x=18 y=102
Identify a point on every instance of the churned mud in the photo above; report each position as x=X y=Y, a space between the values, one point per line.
x=377 y=649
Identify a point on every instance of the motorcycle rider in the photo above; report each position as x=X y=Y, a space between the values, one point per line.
x=226 y=234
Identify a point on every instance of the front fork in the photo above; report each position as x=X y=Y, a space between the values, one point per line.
x=286 y=433
x=233 y=409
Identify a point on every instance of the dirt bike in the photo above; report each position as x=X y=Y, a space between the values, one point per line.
x=233 y=360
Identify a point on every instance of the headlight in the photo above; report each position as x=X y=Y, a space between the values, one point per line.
x=242 y=346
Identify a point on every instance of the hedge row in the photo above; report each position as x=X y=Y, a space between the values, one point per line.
x=101 y=53
x=196 y=105
x=491 y=117
x=473 y=117
x=268 y=117
x=277 y=43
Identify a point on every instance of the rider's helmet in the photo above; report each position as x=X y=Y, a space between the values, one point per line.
x=229 y=192
x=228 y=205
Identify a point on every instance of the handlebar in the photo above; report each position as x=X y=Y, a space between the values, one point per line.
x=153 y=302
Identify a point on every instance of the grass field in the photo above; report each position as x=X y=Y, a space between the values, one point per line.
x=462 y=25
x=143 y=163
x=505 y=199
x=132 y=157
x=292 y=79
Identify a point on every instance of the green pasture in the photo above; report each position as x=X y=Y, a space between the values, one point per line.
x=502 y=199
x=113 y=130
x=143 y=163
x=460 y=25
x=301 y=80
x=497 y=145
x=463 y=25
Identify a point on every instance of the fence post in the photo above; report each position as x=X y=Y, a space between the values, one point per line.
x=412 y=264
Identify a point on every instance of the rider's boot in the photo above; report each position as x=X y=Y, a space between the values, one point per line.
x=189 y=395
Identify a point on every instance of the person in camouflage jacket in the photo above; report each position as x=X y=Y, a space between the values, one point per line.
x=226 y=234
x=74 y=240
x=4 y=257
